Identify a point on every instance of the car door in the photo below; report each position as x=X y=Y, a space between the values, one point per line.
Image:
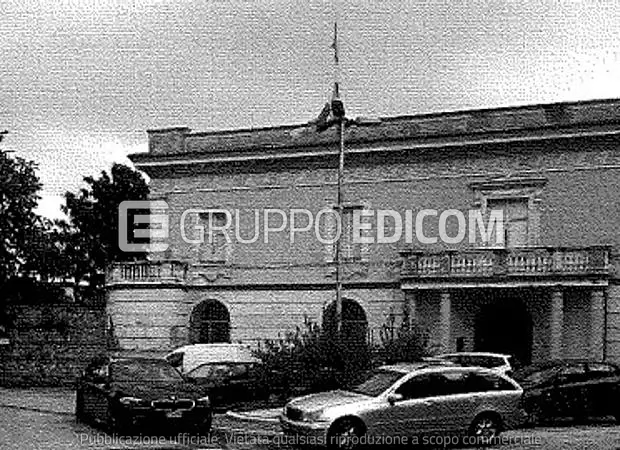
x=538 y=388
x=407 y=416
x=214 y=379
x=570 y=391
x=455 y=402
x=427 y=405
x=95 y=391
x=602 y=389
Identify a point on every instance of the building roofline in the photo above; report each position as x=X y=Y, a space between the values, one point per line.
x=144 y=160
x=525 y=123
x=404 y=117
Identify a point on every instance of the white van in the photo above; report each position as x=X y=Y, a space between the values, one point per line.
x=189 y=357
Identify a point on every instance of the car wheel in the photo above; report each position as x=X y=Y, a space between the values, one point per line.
x=346 y=434
x=485 y=428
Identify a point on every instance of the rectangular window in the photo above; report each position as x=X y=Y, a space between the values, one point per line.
x=349 y=250
x=216 y=245
x=516 y=221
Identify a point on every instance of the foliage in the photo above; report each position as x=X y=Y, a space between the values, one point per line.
x=19 y=224
x=89 y=240
x=310 y=359
x=402 y=343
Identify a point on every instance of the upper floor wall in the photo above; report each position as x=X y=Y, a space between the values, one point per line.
x=553 y=171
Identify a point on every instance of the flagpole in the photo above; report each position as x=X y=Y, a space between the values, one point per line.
x=337 y=108
x=338 y=242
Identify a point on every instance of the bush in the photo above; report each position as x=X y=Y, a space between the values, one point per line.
x=402 y=343
x=312 y=358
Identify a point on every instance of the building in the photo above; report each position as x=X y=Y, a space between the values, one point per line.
x=551 y=289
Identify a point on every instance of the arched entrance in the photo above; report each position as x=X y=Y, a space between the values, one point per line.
x=354 y=323
x=504 y=325
x=209 y=323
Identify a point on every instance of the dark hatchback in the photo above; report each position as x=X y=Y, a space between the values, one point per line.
x=575 y=390
x=123 y=392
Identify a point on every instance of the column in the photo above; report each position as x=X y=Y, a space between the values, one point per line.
x=556 y=323
x=597 y=324
x=409 y=308
x=445 y=306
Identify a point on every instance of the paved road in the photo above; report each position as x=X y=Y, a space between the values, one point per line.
x=23 y=429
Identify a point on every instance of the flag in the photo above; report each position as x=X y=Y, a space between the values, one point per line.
x=333 y=111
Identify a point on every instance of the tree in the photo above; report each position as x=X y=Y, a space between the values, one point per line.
x=90 y=237
x=19 y=187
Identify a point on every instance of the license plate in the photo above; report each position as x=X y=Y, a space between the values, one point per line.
x=174 y=414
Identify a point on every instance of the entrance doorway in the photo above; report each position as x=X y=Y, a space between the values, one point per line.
x=504 y=325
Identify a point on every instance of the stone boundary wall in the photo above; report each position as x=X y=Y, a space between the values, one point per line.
x=49 y=345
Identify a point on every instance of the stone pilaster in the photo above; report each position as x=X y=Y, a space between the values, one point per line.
x=445 y=312
x=556 y=323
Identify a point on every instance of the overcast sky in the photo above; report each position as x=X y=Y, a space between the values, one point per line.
x=82 y=80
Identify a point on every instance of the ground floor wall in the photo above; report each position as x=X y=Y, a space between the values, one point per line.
x=534 y=323
x=155 y=318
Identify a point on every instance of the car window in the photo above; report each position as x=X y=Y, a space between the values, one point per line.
x=453 y=358
x=422 y=386
x=601 y=370
x=213 y=371
x=485 y=361
x=572 y=373
x=540 y=378
x=175 y=360
x=483 y=382
x=377 y=382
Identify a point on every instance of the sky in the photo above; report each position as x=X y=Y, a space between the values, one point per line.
x=82 y=80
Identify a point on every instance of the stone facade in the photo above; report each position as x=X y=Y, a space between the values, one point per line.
x=559 y=162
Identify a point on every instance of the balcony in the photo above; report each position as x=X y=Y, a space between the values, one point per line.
x=147 y=272
x=521 y=262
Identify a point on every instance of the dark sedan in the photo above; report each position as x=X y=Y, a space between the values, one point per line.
x=570 y=390
x=123 y=392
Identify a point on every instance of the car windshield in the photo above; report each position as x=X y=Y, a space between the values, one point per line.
x=538 y=378
x=144 y=370
x=377 y=382
x=219 y=371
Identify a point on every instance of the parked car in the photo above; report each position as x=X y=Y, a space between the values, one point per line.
x=121 y=392
x=187 y=358
x=494 y=361
x=570 y=389
x=229 y=383
x=228 y=373
x=413 y=402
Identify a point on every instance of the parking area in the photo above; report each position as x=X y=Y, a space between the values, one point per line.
x=43 y=419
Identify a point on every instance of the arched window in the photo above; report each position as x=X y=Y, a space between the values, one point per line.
x=354 y=324
x=209 y=323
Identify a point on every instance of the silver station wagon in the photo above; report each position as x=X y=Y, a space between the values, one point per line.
x=417 y=403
